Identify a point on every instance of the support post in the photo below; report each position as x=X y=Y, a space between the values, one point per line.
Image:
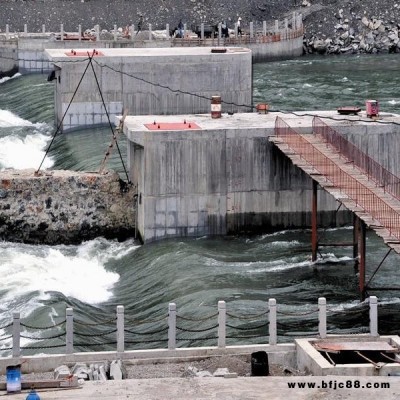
x=184 y=30
x=7 y=31
x=62 y=32
x=25 y=29
x=172 y=326
x=276 y=27
x=314 y=211
x=132 y=32
x=167 y=31
x=150 y=32
x=251 y=30
x=362 y=257
x=16 y=335
x=115 y=33
x=264 y=28
x=356 y=234
x=272 y=322
x=202 y=31
x=97 y=29
x=120 y=329
x=221 y=324
x=43 y=28
x=80 y=32
x=322 y=317
x=69 y=327
x=236 y=30
x=373 y=316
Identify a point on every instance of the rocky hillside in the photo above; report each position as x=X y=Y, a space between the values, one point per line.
x=331 y=26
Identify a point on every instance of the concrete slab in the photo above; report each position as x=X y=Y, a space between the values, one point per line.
x=271 y=388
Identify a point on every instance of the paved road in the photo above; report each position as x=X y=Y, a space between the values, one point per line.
x=251 y=388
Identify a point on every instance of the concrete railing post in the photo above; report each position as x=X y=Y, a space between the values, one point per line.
x=171 y=326
x=7 y=31
x=221 y=324
x=184 y=30
x=80 y=32
x=150 y=34
x=97 y=29
x=167 y=31
x=373 y=316
x=236 y=30
x=25 y=29
x=115 y=33
x=16 y=335
x=62 y=31
x=276 y=27
x=132 y=32
x=120 y=329
x=273 y=333
x=251 y=29
x=264 y=28
x=294 y=19
x=202 y=31
x=43 y=28
x=69 y=327
x=322 y=317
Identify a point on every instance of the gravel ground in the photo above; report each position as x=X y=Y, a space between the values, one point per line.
x=142 y=369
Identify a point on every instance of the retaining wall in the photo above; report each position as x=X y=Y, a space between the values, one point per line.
x=64 y=206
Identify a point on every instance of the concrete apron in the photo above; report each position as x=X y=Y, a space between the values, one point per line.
x=230 y=389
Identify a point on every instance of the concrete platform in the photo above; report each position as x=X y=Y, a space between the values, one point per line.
x=230 y=389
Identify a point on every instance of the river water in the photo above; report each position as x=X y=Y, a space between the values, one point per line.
x=245 y=271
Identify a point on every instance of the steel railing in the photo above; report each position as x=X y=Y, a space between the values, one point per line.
x=375 y=171
x=363 y=197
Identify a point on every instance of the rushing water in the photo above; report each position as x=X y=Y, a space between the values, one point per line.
x=245 y=271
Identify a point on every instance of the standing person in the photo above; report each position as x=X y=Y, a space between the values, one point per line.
x=140 y=24
x=239 y=30
x=180 y=29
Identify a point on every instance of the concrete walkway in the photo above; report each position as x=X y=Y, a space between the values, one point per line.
x=230 y=389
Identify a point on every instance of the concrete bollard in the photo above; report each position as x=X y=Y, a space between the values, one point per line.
x=273 y=333
x=221 y=324
x=16 y=335
x=264 y=29
x=167 y=31
x=25 y=29
x=120 y=329
x=202 y=31
x=43 y=28
x=62 y=31
x=251 y=30
x=97 y=29
x=171 y=326
x=322 y=317
x=150 y=35
x=236 y=30
x=69 y=327
x=373 y=316
x=184 y=30
x=115 y=33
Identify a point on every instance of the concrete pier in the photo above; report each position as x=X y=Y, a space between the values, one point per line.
x=197 y=175
x=148 y=81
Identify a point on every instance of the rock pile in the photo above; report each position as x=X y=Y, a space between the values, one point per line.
x=102 y=371
x=353 y=30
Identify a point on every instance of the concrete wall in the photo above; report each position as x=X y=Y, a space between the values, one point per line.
x=64 y=206
x=149 y=81
x=224 y=178
x=9 y=55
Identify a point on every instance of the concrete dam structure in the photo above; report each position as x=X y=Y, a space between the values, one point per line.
x=202 y=176
x=147 y=81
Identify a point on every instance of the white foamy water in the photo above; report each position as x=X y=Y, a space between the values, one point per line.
x=7 y=78
x=9 y=119
x=20 y=153
x=69 y=270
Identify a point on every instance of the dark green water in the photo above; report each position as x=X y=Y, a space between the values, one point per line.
x=93 y=278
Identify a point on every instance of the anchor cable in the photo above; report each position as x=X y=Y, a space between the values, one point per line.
x=63 y=117
x=108 y=117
